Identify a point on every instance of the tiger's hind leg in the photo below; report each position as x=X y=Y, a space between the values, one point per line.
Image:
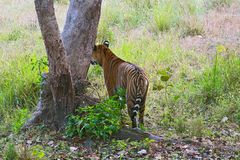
x=132 y=114
x=141 y=115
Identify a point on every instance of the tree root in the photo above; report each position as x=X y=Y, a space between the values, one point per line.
x=135 y=134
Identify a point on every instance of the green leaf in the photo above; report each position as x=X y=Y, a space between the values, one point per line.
x=165 y=78
x=157 y=86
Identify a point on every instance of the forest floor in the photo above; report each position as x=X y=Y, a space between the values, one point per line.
x=40 y=143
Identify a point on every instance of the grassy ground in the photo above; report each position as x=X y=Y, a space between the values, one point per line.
x=195 y=44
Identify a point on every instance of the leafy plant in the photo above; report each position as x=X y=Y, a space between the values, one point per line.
x=99 y=121
x=145 y=143
x=37 y=152
x=31 y=152
x=40 y=65
x=165 y=75
x=119 y=145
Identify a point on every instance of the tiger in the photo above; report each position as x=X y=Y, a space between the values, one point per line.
x=121 y=74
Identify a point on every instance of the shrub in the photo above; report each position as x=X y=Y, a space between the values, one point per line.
x=99 y=121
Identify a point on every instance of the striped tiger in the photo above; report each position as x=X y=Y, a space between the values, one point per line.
x=119 y=73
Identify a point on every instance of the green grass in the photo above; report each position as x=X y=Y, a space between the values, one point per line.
x=10 y=152
x=20 y=84
x=12 y=36
x=165 y=15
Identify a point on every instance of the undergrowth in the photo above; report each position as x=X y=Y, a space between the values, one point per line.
x=20 y=85
x=99 y=121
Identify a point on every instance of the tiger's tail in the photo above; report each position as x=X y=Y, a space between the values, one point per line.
x=136 y=109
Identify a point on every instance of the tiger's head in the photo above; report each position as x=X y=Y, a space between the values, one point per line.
x=99 y=53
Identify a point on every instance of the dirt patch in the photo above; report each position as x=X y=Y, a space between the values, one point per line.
x=221 y=26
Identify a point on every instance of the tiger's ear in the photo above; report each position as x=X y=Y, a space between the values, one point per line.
x=94 y=48
x=106 y=43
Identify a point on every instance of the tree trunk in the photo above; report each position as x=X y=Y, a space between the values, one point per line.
x=58 y=94
x=79 y=36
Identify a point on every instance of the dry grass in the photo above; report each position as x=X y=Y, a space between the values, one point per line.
x=221 y=26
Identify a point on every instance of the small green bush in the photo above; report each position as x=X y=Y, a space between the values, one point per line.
x=37 y=152
x=99 y=121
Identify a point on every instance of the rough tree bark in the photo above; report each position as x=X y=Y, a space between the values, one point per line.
x=79 y=36
x=57 y=99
